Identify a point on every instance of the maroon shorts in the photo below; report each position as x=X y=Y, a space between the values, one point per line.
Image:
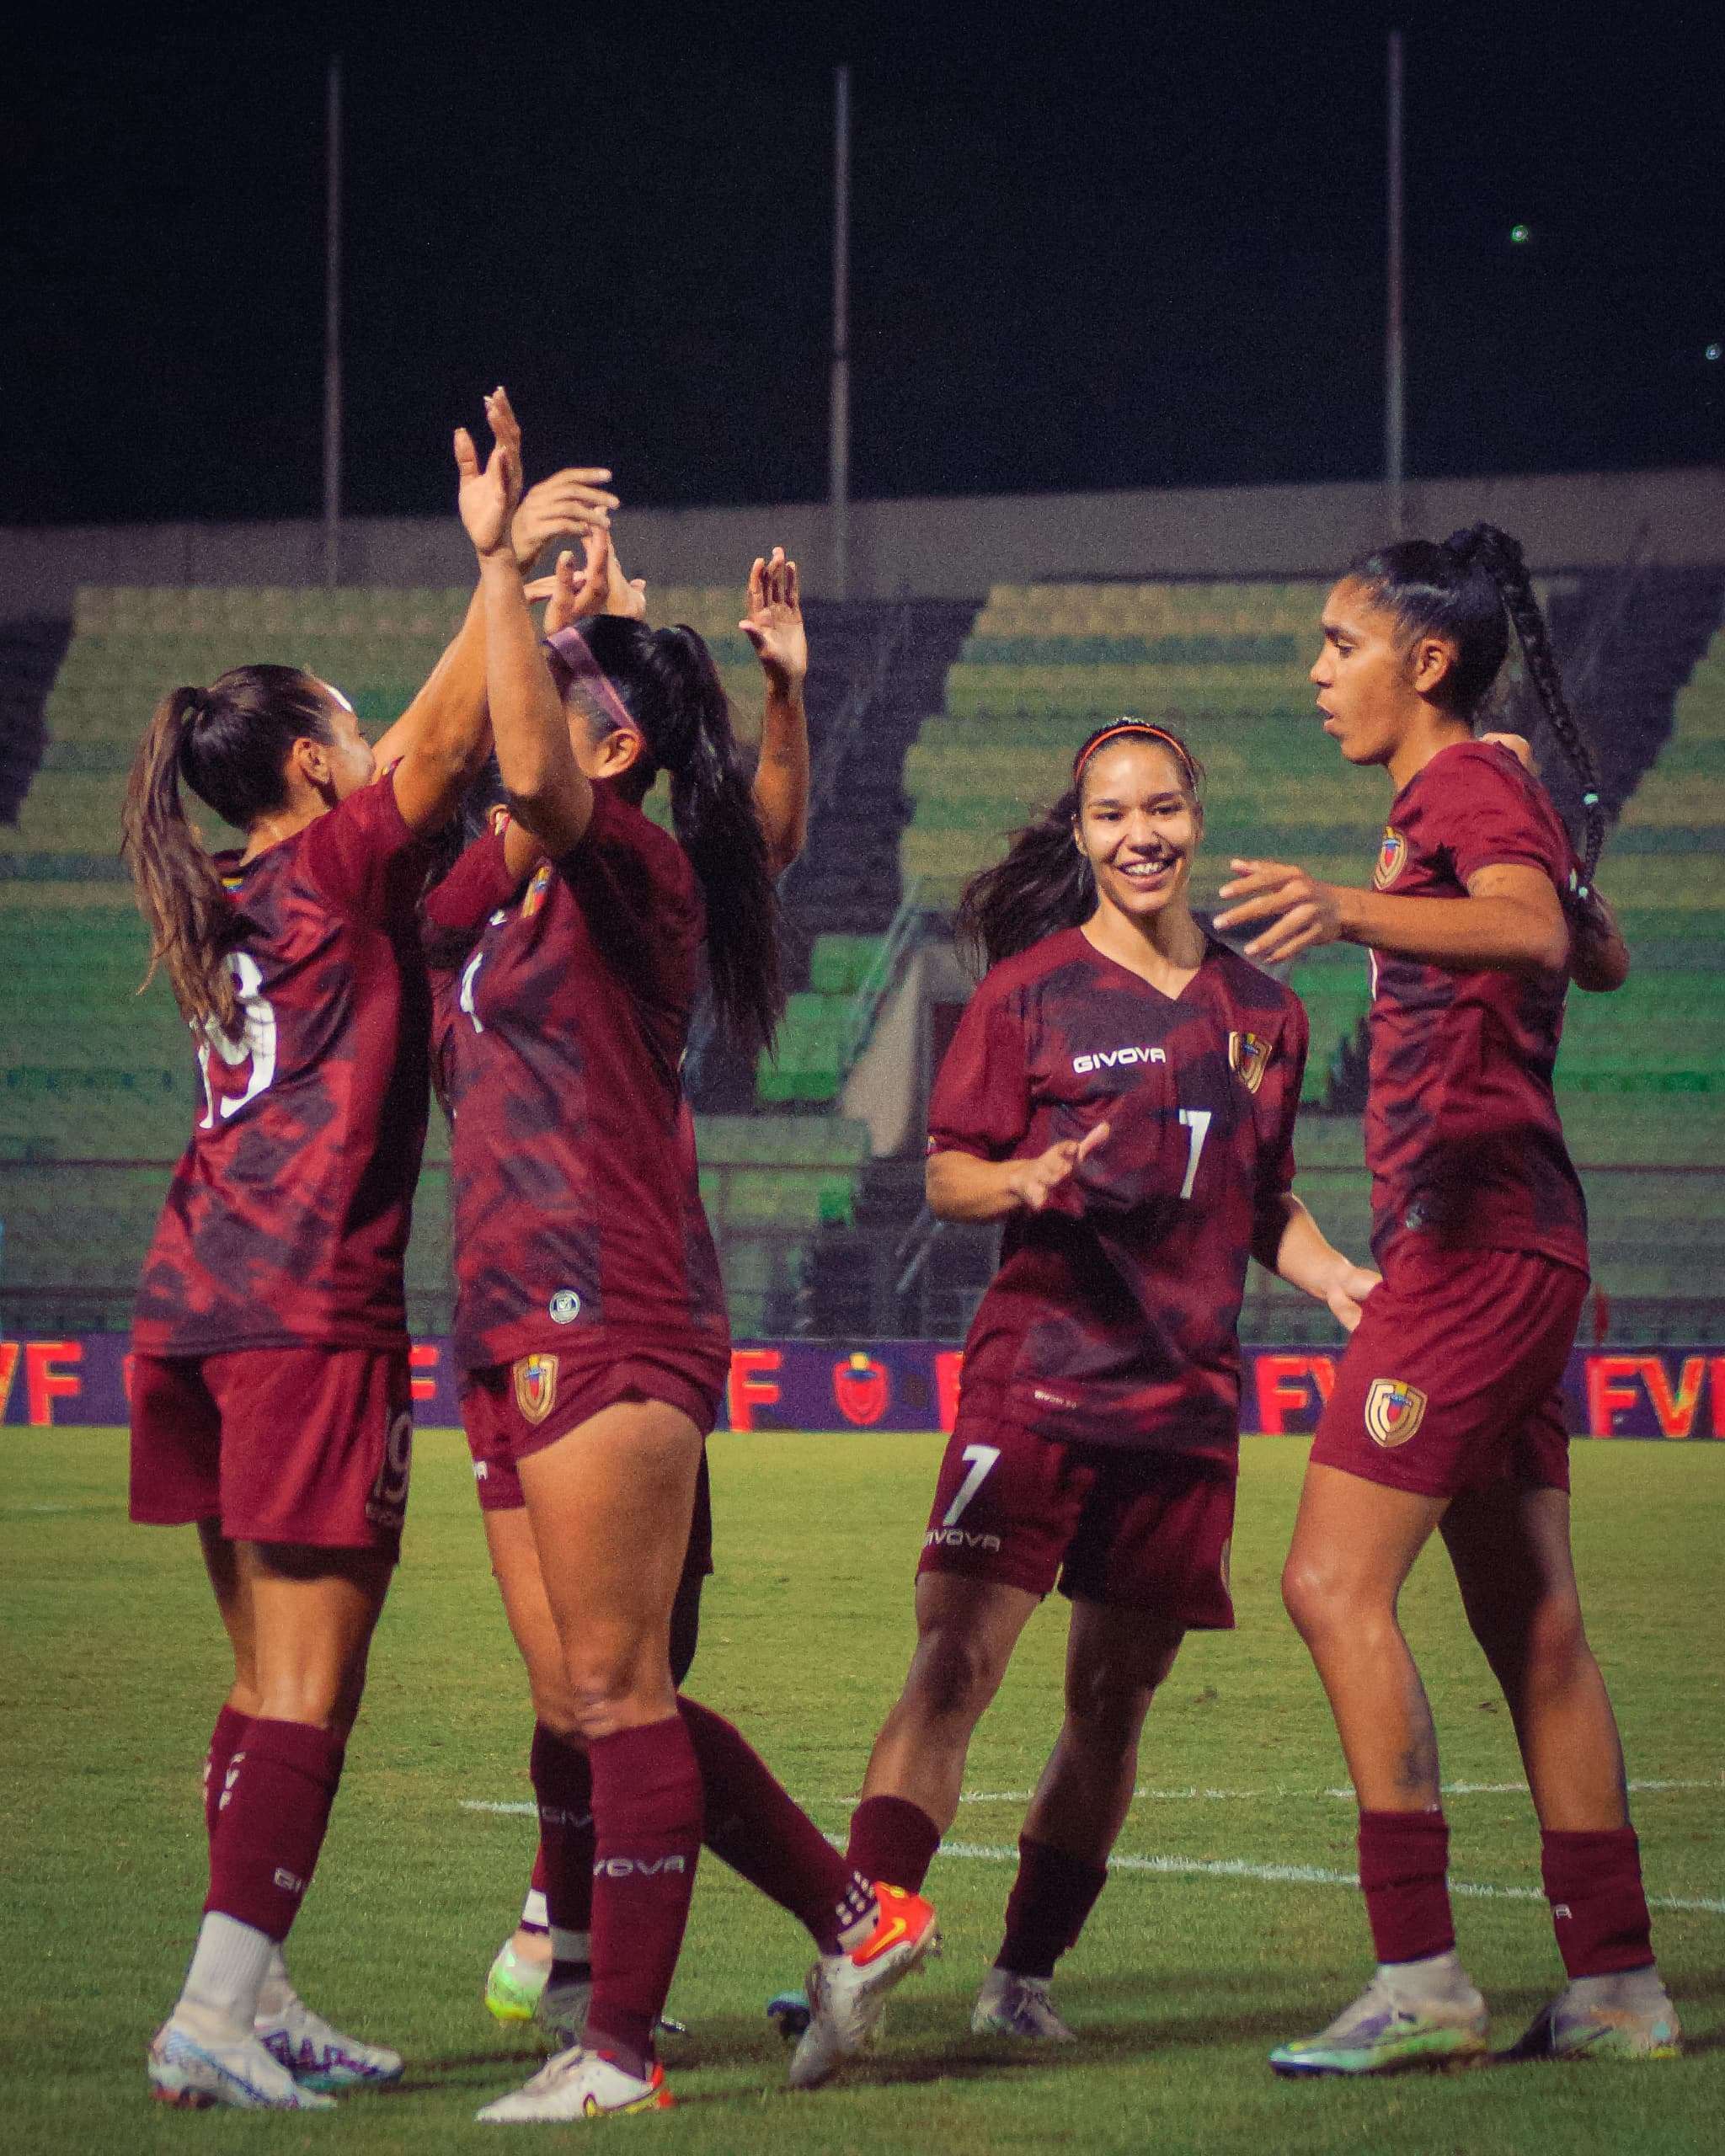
x=1137 y=1530
x=306 y=1445
x=509 y=1409
x=1451 y=1381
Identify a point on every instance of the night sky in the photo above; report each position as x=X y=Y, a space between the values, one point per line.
x=1143 y=248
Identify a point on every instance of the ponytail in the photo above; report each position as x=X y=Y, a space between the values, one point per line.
x=1501 y=558
x=670 y=689
x=230 y=743
x=1046 y=884
x=179 y=892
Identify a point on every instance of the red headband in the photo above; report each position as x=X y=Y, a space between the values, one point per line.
x=571 y=661
x=1131 y=726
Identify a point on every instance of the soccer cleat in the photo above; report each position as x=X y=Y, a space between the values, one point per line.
x=788 y=2013
x=1011 y=2005
x=514 y=1985
x=847 y=1992
x=195 y=2068
x=1639 y=2026
x=319 y=2056
x=579 y=2084
x=1383 y=2032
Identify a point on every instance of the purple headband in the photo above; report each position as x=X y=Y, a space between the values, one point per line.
x=573 y=664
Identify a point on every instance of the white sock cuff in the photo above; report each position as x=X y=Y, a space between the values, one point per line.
x=534 y=1911
x=229 y=1964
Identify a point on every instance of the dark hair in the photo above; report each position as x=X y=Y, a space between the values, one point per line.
x=1471 y=589
x=230 y=743
x=671 y=688
x=1046 y=883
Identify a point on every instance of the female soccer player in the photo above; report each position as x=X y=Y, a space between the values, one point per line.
x=516 y=1981
x=590 y=1320
x=1121 y=1094
x=1446 y=1411
x=269 y=1394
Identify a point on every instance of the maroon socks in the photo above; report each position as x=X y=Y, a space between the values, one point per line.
x=562 y=1787
x=1598 y=1910
x=757 y=1828
x=647 y=1817
x=1404 y=1861
x=1051 y=1898
x=231 y=1725
x=892 y=1840
x=270 y=1816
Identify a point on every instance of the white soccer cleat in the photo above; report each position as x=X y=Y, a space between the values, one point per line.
x=319 y=2056
x=1011 y=2005
x=1385 y=2031
x=847 y=1992
x=579 y=2084
x=1605 y=2017
x=194 y=2064
x=515 y=1983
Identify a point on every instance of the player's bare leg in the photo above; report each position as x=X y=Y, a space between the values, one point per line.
x=1511 y=1549
x=300 y=1622
x=1115 y=1659
x=518 y=1984
x=966 y=1630
x=1354 y=1544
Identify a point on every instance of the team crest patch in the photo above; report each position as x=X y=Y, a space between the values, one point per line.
x=1248 y=1058
x=536 y=1386
x=536 y=890
x=1393 y=1411
x=1392 y=858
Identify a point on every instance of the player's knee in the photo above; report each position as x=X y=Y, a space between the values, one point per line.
x=953 y=1676
x=1556 y=1640
x=1105 y=1709
x=1316 y=1595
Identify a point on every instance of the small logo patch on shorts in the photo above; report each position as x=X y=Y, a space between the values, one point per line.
x=1392 y=857
x=1393 y=1411
x=564 y=1306
x=536 y=1386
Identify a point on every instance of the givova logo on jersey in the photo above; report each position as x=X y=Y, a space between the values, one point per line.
x=1394 y=1411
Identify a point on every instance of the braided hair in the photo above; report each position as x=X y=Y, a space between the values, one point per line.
x=1046 y=882
x=1464 y=589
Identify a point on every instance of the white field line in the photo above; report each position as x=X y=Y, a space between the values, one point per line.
x=1242 y=1795
x=1293 y=1874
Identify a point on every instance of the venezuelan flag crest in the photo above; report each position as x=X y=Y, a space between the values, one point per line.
x=1394 y=1411
x=536 y=1386
x=1248 y=1056
x=1393 y=857
x=536 y=890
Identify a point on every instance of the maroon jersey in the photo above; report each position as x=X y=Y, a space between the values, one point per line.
x=1113 y=1319
x=1461 y=1131
x=287 y=1218
x=562 y=1011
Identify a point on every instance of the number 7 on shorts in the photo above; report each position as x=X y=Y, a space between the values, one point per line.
x=981 y=1458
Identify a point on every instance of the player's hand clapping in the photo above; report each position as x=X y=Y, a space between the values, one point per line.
x=572 y=500
x=487 y=497
x=599 y=586
x=774 y=621
x=1033 y=1183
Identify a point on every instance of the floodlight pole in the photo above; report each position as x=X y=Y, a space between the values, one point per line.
x=332 y=330
x=839 y=417
x=1395 y=376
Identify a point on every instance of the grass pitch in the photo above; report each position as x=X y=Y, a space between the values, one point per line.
x=1224 y=1931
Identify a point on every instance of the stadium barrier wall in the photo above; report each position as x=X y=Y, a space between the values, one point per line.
x=1673 y=1393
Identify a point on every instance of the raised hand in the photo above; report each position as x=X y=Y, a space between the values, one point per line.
x=1302 y=912
x=774 y=621
x=597 y=587
x=574 y=499
x=1035 y=1182
x=487 y=497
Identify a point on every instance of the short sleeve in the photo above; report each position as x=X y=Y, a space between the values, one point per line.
x=458 y=907
x=982 y=1099
x=1284 y=1081
x=1490 y=813
x=364 y=856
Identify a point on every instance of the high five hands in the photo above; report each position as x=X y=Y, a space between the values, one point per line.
x=488 y=496
x=1303 y=913
x=1035 y=1182
x=774 y=621
x=598 y=586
